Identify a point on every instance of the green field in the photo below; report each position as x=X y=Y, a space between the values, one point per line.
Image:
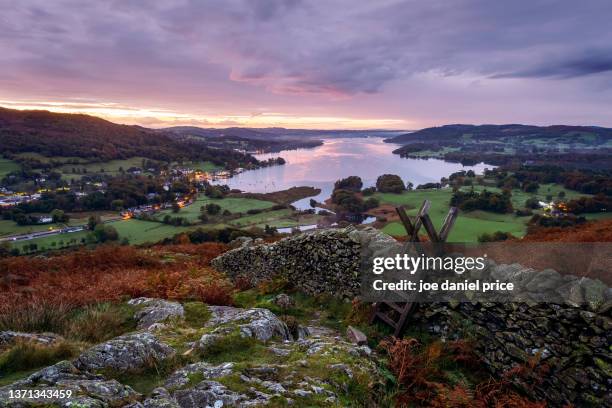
x=519 y=197
x=468 y=225
x=473 y=224
x=112 y=167
x=267 y=217
x=233 y=205
x=7 y=166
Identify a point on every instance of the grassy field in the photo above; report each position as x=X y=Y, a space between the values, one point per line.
x=468 y=225
x=109 y=167
x=268 y=217
x=233 y=205
x=7 y=166
x=9 y=227
x=519 y=197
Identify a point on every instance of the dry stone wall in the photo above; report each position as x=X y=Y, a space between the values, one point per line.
x=573 y=340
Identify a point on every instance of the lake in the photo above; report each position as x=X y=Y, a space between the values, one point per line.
x=338 y=158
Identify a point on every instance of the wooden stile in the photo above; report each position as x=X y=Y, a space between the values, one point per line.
x=396 y=314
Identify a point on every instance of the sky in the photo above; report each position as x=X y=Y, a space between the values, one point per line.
x=310 y=64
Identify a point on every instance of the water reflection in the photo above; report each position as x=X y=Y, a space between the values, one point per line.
x=321 y=166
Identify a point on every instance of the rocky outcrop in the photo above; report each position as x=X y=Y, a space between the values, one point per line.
x=321 y=261
x=155 y=311
x=125 y=353
x=307 y=372
x=259 y=323
x=87 y=390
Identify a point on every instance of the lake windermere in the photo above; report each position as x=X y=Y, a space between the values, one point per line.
x=321 y=166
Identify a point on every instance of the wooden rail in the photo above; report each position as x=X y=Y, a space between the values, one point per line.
x=396 y=314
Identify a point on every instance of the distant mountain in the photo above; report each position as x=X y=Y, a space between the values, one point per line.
x=273 y=132
x=489 y=132
x=61 y=134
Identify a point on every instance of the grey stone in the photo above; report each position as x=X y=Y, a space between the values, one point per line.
x=87 y=389
x=125 y=353
x=259 y=323
x=356 y=336
x=155 y=311
x=180 y=378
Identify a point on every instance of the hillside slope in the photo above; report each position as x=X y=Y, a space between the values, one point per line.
x=594 y=134
x=60 y=134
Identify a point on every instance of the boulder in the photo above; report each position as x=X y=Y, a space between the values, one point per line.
x=88 y=390
x=284 y=301
x=259 y=323
x=155 y=311
x=125 y=353
x=356 y=336
x=203 y=370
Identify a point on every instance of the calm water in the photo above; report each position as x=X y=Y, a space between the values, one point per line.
x=321 y=166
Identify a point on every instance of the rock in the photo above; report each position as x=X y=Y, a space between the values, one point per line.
x=284 y=301
x=202 y=370
x=594 y=292
x=10 y=337
x=356 y=336
x=545 y=280
x=209 y=394
x=259 y=323
x=88 y=390
x=155 y=311
x=125 y=353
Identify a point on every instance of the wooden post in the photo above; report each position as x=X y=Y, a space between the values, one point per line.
x=385 y=310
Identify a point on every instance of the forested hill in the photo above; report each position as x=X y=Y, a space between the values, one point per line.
x=562 y=133
x=60 y=134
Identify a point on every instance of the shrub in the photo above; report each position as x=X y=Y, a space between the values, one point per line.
x=37 y=316
x=29 y=355
x=351 y=183
x=368 y=191
x=390 y=183
x=347 y=201
x=213 y=209
x=97 y=323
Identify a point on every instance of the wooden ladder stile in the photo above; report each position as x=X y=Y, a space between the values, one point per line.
x=396 y=314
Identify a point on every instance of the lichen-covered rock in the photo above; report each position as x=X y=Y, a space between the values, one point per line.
x=203 y=370
x=155 y=311
x=125 y=353
x=88 y=390
x=209 y=394
x=259 y=323
x=10 y=337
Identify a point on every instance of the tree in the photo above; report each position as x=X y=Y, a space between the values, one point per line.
x=351 y=183
x=532 y=203
x=371 y=202
x=390 y=183
x=213 y=209
x=531 y=187
x=59 y=216
x=347 y=201
x=104 y=233
x=92 y=222
x=117 y=205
